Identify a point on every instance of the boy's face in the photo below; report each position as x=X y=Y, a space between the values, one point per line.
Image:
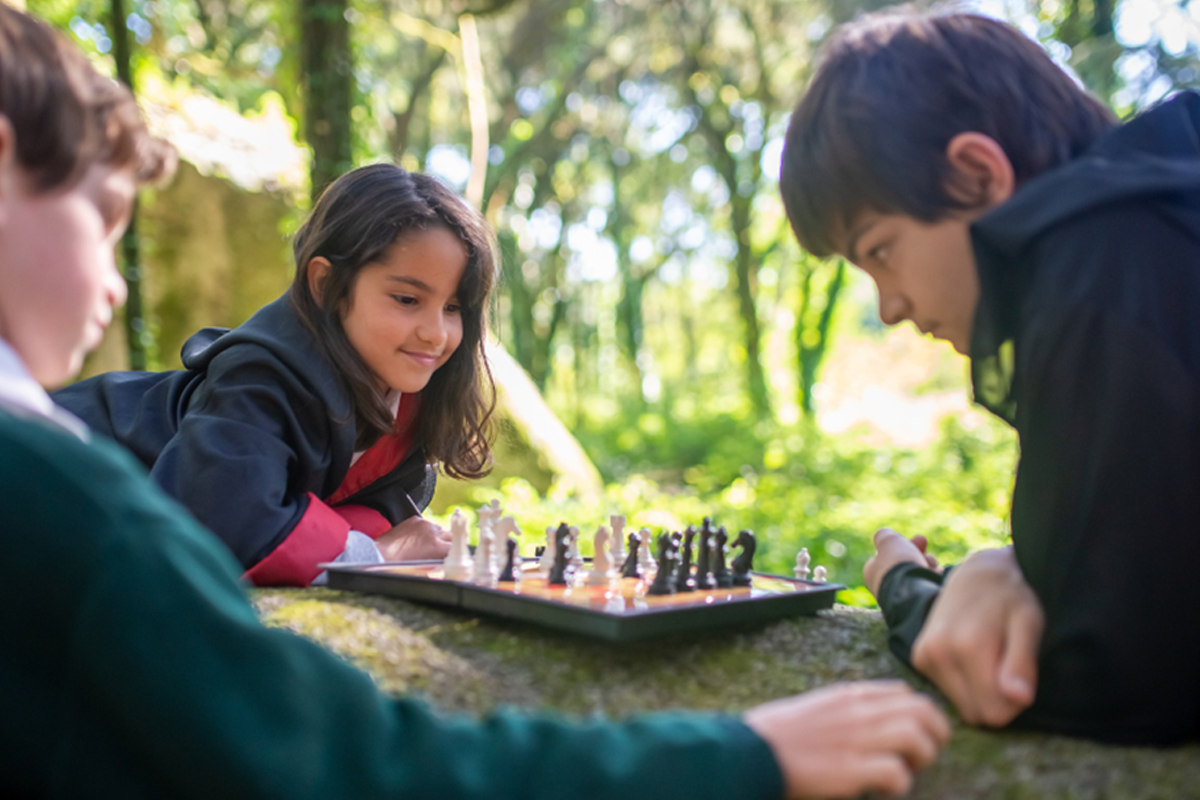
x=925 y=272
x=58 y=280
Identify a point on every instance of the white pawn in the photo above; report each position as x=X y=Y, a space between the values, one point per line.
x=802 y=561
x=819 y=575
x=484 y=557
x=602 y=571
x=574 y=557
x=645 y=559
x=458 y=566
x=546 y=563
x=618 y=538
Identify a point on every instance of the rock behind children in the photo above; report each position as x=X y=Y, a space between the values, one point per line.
x=311 y=433
x=998 y=206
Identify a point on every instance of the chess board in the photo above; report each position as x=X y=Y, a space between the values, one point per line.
x=620 y=611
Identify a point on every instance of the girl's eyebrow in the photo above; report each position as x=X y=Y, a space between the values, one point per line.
x=417 y=282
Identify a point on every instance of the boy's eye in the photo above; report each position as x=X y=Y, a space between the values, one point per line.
x=878 y=253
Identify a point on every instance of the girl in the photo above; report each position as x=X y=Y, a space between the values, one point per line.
x=310 y=433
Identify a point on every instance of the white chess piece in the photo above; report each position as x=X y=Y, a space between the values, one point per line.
x=819 y=575
x=802 y=561
x=618 y=538
x=485 y=574
x=458 y=566
x=602 y=571
x=574 y=557
x=547 y=560
x=645 y=559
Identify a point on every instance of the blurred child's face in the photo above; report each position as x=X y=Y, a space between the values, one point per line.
x=925 y=272
x=402 y=315
x=59 y=283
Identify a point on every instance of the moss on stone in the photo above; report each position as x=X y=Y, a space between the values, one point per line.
x=472 y=664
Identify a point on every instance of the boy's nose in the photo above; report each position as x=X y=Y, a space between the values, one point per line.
x=893 y=309
x=116 y=292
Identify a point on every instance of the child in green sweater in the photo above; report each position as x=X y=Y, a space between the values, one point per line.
x=144 y=670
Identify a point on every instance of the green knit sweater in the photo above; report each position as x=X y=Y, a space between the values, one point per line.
x=132 y=665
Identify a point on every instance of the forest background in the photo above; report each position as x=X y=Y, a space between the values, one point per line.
x=627 y=154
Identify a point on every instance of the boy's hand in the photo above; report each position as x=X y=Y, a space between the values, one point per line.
x=413 y=539
x=980 y=642
x=891 y=549
x=844 y=740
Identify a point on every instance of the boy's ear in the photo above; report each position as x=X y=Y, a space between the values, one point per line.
x=983 y=174
x=318 y=271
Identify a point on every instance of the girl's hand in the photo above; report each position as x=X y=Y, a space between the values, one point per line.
x=847 y=739
x=891 y=549
x=414 y=539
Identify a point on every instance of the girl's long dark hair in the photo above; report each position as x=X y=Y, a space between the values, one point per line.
x=353 y=224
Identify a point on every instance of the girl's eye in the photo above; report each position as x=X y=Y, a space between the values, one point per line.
x=404 y=299
x=453 y=308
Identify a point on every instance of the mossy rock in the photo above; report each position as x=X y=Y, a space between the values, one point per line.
x=473 y=664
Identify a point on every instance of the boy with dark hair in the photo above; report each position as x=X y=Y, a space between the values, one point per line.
x=997 y=206
x=144 y=672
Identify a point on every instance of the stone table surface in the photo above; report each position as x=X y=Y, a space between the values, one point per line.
x=468 y=663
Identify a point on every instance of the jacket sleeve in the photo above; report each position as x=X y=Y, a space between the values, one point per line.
x=176 y=683
x=906 y=594
x=250 y=458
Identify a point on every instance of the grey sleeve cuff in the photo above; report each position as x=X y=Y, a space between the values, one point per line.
x=360 y=549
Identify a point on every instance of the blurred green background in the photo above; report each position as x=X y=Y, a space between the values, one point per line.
x=627 y=154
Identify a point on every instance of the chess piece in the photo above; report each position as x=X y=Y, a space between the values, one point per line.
x=716 y=557
x=602 y=571
x=664 y=581
x=819 y=575
x=511 y=572
x=683 y=573
x=803 y=559
x=704 y=564
x=645 y=560
x=560 y=570
x=547 y=559
x=574 y=557
x=702 y=543
x=743 y=565
x=631 y=568
x=484 y=571
x=617 y=521
x=458 y=566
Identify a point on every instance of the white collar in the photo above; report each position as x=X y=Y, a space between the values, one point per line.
x=19 y=390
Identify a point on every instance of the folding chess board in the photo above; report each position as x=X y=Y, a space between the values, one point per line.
x=619 y=611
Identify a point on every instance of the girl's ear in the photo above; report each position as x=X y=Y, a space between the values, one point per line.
x=983 y=174
x=318 y=271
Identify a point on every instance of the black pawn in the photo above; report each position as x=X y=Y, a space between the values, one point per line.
x=717 y=559
x=704 y=576
x=507 y=573
x=743 y=565
x=664 y=581
x=559 y=572
x=683 y=575
x=630 y=568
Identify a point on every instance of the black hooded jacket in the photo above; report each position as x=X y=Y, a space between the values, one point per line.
x=255 y=426
x=1087 y=340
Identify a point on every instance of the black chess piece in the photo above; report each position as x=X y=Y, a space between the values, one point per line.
x=509 y=565
x=743 y=565
x=664 y=581
x=702 y=544
x=704 y=564
x=683 y=574
x=560 y=570
x=630 y=568
x=717 y=559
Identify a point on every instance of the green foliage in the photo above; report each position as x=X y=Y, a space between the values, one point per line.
x=795 y=487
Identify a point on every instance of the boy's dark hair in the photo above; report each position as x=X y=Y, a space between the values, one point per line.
x=891 y=91
x=66 y=116
x=357 y=218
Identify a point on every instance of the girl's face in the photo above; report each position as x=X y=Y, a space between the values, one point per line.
x=402 y=314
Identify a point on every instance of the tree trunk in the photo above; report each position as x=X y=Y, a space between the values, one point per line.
x=327 y=67
x=746 y=270
x=136 y=333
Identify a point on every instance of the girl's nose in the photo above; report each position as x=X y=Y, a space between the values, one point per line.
x=433 y=328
